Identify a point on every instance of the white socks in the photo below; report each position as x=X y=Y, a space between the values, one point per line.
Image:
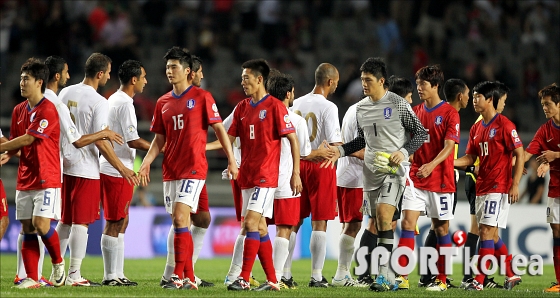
x=170 y=263
x=346 y=251
x=280 y=254
x=237 y=258
x=109 y=249
x=197 y=238
x=78 y=245
x=288 y=265
x=20 y=269
x=318 y=248
x=120 y=257
x=63 y=231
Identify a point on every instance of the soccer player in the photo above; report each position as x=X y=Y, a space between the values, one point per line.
x=546 y=144
x=432 y=170
x=181 y=121
x=81 y=192
x=494 y=140
x=116 y=191
x=4 y=218
x=401 y=87
x=386 y=122
x=260 y=121
x=36 y=133
x=319 y=194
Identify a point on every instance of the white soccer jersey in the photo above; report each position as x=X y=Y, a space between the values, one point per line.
x=349 y=170
x=89 y=111
x=237 y=143
x=284 y=189
x=67 y=128
x=321 y=116
x=122 y=120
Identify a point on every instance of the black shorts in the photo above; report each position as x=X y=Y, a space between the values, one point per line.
x=470 y=190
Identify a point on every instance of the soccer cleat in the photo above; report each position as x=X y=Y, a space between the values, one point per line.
x=80 y=282
x=163 y=281
x=28 y=283
x=18 y=280
x=173 y=283
x=239 y=285
x=323 y=283
x=381 y=284
x=228 y=280
x=449 y=284
x=189 y=285
x=289 y=283
x=474 y=286
x=489 y=283
x=202 y=283
x=426 y=280
x=253 y=282
x=347 y=281
x=511 y=282
x=365 y=279
x=402 y=282
x=267 y=286
x=127 y=282
x=554 y=288
x=45 y=283
x=465 y=282
x=112 y=282
x=58 y=275
x=437 y=286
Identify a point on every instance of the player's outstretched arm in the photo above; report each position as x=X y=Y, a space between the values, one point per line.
x=321 y=153
x=426 y=169
x=17 y=143
x=513 y=196
x=347 y=149
x=107 y=151
x=295 y=181
x=226 y=141
x=213 y=145
x=542 y=169
x=548 y=156
x=105 y=134
x=155 y=148
x=463 y=161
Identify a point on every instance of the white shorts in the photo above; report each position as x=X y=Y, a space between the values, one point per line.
x=258 y=199
x=42 y=202
x=186 y=191
x=553 y=211
x=389 y=193
x=492 y=209
x=434 y=204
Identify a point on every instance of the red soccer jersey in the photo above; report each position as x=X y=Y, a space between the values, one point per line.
x=493 y=143
x=39 y=163
x=183 y=120
x=548 y=138
x=442 y=123
x=259 y=127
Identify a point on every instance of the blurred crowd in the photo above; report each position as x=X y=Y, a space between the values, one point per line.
x=515 y=42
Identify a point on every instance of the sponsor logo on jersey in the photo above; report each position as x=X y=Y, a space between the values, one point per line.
x=214 y=107
x=262 y=114
x=286 y=118
x=515 y=136
x=71 y=130
x=439 y=120
x=387 y=112
x=131 y=129
x=492 y=132
x=44 y=123
x=190 y=104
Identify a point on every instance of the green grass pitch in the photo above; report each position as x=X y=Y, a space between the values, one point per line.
x=148 y=273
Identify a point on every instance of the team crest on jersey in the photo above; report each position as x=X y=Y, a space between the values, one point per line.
x=439 y=120
x=286 y=118
x=131 y=129
x=44 y=123
x=214 y=107
x=387 y=112
x=71 y=130
x=262 y=114
x=190 y=104
x=515 y=136
x=492 y=133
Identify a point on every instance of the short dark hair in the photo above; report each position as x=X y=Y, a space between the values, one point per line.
x=55 y=65
x=551 y=90
x=488 y=90
x=128 y=70
x=196 y=63
x=502 y=89
x=375 y=66
x=452 y=88
x=432 y=74
x=95 y=63
x=183 y=55
x=259 y=67
x=279 y=85
x=399 y=85
x=37 y=69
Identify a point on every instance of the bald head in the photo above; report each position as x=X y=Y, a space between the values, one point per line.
x=324 y=73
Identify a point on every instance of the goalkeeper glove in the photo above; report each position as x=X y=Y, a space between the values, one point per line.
x=382 y=164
